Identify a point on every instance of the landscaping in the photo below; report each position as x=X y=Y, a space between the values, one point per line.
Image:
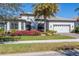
x=54 y=37
x=76 y=30
x=25 y=33
x=33 y=34
x=22 y=48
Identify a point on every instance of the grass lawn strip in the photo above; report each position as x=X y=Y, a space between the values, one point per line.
x=21 y=48
x=60 y=37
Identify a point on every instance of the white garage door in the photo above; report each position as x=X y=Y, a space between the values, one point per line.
x=61 y=28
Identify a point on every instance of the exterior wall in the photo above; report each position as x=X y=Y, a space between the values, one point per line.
x=28 y=18
x=50 y=25
x=20 y=26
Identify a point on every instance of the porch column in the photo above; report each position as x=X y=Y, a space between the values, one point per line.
x=24 y=26
x=45 y=27
x=19 y=25
x=8 y=26
x=36 y=25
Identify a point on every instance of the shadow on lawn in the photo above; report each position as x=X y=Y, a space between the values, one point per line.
x=70 y=52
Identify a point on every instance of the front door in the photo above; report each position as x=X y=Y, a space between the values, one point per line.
x=41 y=27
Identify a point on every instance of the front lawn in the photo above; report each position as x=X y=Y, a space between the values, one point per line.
x=44 y=37
x=23 y=48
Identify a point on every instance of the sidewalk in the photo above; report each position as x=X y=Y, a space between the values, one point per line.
x=42 y=41
x=45 y=53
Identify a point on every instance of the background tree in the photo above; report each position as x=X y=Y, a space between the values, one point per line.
x=7 y=10
x=46 y=10
x=77 y=10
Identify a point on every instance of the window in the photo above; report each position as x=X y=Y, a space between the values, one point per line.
x=14 y=25
x=22 y=25
x=50 y=26
x=28 y=26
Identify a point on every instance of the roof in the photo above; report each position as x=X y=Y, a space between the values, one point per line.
x=58 y=19
x=27 y=14
x=61 y=19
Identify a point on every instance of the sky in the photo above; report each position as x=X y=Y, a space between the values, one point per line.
x=66 y=10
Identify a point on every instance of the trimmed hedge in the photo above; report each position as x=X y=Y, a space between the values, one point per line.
x=7 y=38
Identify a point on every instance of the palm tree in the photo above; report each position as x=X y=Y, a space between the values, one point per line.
x=46 y=10
x=77 y=10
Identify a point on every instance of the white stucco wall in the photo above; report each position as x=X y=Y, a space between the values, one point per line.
x=28 y=18
x=50 y=24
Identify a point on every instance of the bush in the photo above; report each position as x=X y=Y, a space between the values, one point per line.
x=2 y=32
x=26 y=32
x=50 y=32
x=13 y=30
x=76 y=30
x=7 y=38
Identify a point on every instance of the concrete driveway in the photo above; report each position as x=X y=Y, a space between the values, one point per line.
x=71 y=34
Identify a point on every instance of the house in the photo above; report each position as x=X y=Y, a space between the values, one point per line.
x=28 y=21
x=59 y=24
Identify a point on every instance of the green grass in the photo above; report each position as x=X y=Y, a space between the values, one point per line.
x=20 y=48
x=44 y=37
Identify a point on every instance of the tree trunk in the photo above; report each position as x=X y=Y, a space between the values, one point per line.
x=45 y=28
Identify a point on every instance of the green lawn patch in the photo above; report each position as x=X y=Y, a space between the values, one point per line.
x=44 y=37
x=20 y=48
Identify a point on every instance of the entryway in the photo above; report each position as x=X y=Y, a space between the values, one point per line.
x=41 y=27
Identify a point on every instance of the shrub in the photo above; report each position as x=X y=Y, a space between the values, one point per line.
x=2 y=32
x=50 y=32
x=76 y=30
x=13 y=30
x=26 y=32
x=7 y=38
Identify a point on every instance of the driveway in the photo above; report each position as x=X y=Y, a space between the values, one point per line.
x=71 y=34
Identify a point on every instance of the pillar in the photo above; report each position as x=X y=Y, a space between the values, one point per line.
x=24 y=26
x=8 y=26
x=19 y=25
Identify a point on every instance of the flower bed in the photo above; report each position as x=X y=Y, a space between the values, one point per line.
x=26 y=32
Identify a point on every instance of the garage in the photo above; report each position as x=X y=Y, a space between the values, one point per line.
x=62 y=28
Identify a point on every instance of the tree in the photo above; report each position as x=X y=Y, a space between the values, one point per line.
x=7 y=10
x=77 y=9
x=46 y=10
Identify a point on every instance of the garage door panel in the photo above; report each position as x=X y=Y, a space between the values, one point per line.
x=61 y=28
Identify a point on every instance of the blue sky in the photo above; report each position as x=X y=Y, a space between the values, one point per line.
x=65 y=9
